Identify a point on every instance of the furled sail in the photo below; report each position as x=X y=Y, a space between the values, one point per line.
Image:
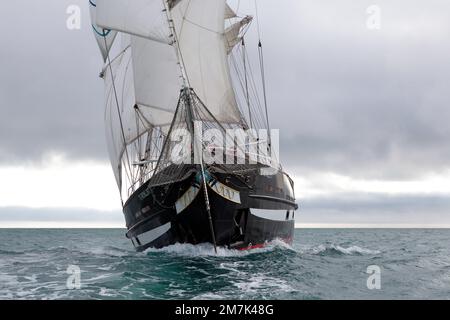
x=232 y=37
x=199 y=25
x=105 y=37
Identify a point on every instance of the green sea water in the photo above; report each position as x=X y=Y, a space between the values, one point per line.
x=321 y=264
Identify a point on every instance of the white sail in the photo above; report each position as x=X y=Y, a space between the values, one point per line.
x=105 y=38
x=119 y=97
x=157 y=79
x=200 y=33
x=127 y=118
x=144 y=18
x=142 y=84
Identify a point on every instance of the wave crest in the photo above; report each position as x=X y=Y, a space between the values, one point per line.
x=207 y=249
x=339 y=250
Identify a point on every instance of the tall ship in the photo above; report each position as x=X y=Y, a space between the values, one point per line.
x=187 y=126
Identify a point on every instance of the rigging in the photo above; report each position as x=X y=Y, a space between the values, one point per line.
x=118 y=109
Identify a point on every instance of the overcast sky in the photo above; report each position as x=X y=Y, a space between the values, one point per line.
x=363 y=112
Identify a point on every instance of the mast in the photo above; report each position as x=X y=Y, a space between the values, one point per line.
x=263 y=79
x=247 y=96
x=175 y=43
x=188 y=96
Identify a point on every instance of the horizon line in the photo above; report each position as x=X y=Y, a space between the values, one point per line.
x=297 y=226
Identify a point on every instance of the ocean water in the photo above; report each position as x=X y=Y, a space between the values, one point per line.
x=321 y=264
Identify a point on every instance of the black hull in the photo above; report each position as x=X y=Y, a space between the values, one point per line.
x=247 y=211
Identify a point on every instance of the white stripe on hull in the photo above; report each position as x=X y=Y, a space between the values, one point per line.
x=275 y=215
x=152 y=235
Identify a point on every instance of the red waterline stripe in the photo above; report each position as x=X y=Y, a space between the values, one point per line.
x=256 y=246
x=262 y=245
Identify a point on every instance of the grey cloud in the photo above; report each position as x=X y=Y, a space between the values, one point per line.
x=367 y=103
x=364 y=103
x=50 y=94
